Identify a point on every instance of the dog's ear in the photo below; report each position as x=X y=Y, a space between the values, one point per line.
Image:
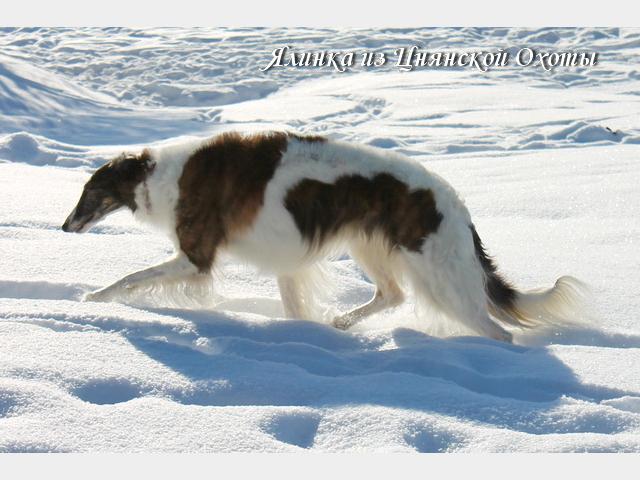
x=133 y=168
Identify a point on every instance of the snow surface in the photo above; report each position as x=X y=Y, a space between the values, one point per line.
x=547 y=162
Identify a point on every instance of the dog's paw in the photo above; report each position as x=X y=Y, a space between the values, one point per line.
x=341 y=322
x=97 y=296
x=504 y=337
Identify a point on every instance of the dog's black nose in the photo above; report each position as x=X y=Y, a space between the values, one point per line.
x=65 y=226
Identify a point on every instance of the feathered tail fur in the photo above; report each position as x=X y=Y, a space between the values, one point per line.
x=562 y=304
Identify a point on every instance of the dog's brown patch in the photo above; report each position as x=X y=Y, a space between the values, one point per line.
x=380 y=204
x=222 y=189
x=307 y=138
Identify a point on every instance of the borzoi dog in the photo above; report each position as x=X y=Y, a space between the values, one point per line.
x=284 y=201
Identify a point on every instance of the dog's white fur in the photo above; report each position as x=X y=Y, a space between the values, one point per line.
x=445 y=274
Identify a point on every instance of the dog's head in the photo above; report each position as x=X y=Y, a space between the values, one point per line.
x=110 y=188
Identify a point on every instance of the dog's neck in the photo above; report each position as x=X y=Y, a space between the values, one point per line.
x=157 y=193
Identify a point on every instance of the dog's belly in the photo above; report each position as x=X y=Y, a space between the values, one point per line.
x=272 y=243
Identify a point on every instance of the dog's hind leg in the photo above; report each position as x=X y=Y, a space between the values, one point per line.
x=377 y=263
x=177 y=268
x=454 y=285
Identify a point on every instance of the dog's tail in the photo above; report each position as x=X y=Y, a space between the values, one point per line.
x=562 y=304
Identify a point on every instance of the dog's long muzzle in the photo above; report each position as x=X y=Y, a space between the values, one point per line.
x=85 y=216
x=77 y=225
x=70 y=224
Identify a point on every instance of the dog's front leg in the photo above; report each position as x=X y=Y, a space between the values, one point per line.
x=178 y=267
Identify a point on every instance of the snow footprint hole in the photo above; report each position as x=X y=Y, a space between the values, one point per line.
x=297 y=429
x=107 y=391
x=429 y=439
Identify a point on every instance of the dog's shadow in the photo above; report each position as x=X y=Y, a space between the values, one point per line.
x=303 y=363
x=244 y=356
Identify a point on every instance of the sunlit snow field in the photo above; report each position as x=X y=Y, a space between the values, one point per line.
x=547 y=162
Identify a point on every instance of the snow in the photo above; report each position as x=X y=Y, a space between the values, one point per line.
x=547 y=163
